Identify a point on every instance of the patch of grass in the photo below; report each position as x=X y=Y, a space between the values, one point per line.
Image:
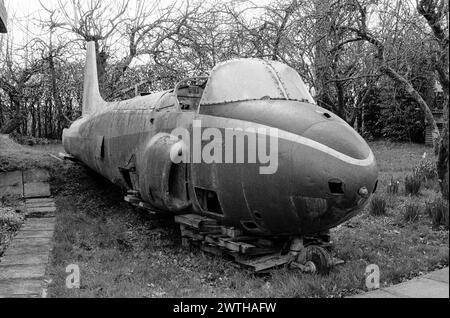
x=412 y=212
x=31 y=141
x=17 y=157
x=413 y=183
x=10 y=222
x=378 y=206
x=438 y=211
x=10 y=219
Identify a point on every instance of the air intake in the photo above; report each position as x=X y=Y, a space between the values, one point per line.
x=336 y=187
x=208 y=200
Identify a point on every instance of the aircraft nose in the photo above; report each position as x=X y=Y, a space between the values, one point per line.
x=340 y=137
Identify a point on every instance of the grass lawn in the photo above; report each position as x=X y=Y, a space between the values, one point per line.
x=122 y=252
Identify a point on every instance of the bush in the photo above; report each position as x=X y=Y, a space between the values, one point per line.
x=378 y=206
x=426 y=169
x=9 y=219
x=412 y=212
x=412 y=184
x=393 y=186
x=437 y=210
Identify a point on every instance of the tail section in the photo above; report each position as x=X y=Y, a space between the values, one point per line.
x=92 y=100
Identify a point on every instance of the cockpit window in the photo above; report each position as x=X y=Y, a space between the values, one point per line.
x=167 y=103
x=294 y=86
x=189 y=92
x=254 y=79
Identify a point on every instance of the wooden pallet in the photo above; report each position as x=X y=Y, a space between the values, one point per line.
x=256 y=254
x=251 y=252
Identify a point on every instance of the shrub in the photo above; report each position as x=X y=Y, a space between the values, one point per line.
x=412 y=212
x=412 y=184
x=393 y=186
x=377 y=206
x=426 y=169
x=9 y=219
x=437 y=210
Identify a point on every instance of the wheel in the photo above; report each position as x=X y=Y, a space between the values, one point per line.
x=317 y=258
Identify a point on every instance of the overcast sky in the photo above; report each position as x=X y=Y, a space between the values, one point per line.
x=23 y=14
x=23 y=17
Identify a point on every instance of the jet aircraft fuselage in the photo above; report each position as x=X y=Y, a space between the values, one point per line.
x=325 y=172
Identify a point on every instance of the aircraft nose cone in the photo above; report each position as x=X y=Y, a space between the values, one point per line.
x=340 y=137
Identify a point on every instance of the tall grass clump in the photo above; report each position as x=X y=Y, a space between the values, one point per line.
x=438 y=212
x=412 y=212
x=393 y=185
x=413 y=183
x=378 y=206
x=426 y=169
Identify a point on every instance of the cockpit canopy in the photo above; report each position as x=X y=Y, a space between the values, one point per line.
x=237 y=81
x=254 y=79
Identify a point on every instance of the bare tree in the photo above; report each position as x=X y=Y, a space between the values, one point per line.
x=436 y=13
x=142 y=29
x=357 y=26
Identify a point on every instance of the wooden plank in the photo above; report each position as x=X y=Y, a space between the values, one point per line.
x=41 y=209
x=27 y=249
x=39 y=201
x=38 y=224
x=36 y=190
x=210 y=229
x=20 y=287
x=231 y=232
x=191 y=220
x=25 y=259
x=30 y=241
x=22 y=271
x=37 y=227
x=191 y=234
x=245 y=239
x=232 y=246
x=194 y=220
x=34 y=234
x=226 y=243
x=214 y=238
x=35 y=175
x=41 y=214
x=40 y=205
x=222 y=241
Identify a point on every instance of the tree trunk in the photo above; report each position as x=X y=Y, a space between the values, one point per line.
x=400 y=80
x=14 y=123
